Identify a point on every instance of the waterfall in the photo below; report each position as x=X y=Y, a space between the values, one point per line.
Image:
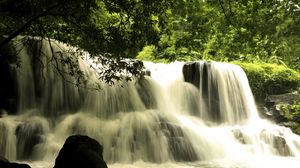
x=182 y=112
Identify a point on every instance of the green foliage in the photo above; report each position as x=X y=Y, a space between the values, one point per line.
x=292 y=113
x=265 y=78
x=120 y=28
x=148 y=54
x=109 y=30
x=249 y=31
x=162 y=30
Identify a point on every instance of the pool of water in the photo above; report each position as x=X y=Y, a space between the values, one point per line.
x=251 y=162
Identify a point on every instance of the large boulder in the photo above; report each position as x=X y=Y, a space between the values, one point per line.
x=200 y=74
x=191 y=73
x=80 y=151
x=4 y=163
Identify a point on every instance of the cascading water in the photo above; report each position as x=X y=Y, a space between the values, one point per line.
x=199 y=114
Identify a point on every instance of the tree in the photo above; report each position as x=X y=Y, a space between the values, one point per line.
x=226 y=30
x=109 y=28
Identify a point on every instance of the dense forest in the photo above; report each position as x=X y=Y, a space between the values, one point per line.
x=261 y=36
x=222 y=30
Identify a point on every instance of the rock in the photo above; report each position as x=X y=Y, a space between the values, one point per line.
x=180 y=146
x=3 y=113
x=8 y=98
x=240 y=136
x=29 y=134
x=80 y=151
x=146 y=92
x=287 y=98
x=4 y=163
x=277 y=141
x=191 y=73
x=272 y=102
x=200 y=75
x=146 y=72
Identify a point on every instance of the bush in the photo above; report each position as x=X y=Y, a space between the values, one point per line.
x=292 y=113
x=266 y=79
x=149 y=54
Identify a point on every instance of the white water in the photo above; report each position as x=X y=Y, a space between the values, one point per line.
x=160 y=121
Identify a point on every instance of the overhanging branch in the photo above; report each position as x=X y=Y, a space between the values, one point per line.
x=27 y=24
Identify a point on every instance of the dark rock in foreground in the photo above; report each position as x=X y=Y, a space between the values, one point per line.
x=80 y=152
x=4 y=163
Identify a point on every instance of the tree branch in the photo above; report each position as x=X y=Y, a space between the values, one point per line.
x=27 y=24
x=224 y=12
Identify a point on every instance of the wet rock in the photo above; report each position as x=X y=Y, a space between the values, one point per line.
x=239 y=135
x=29 y=134
x=191 y=73
x=287 y=98
x=4 y=163
x=276 y=141
x=3 y=113
x=180 y=146
x=147 y=72
x=7 y=85
x=80 y=151
x=146 y=92
x=200 y=75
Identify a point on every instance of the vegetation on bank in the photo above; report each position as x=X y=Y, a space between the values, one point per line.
x=292 y=113
x=268 y=79
x=264 y=78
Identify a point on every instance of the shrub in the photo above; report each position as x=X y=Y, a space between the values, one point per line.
x=266 y=79
x=149 y=54
x=292 y=113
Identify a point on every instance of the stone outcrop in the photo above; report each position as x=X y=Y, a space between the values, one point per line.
x=191 y=73
x=201 y=76
x=80 y=151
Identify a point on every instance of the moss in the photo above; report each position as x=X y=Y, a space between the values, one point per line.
x=266 y=79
